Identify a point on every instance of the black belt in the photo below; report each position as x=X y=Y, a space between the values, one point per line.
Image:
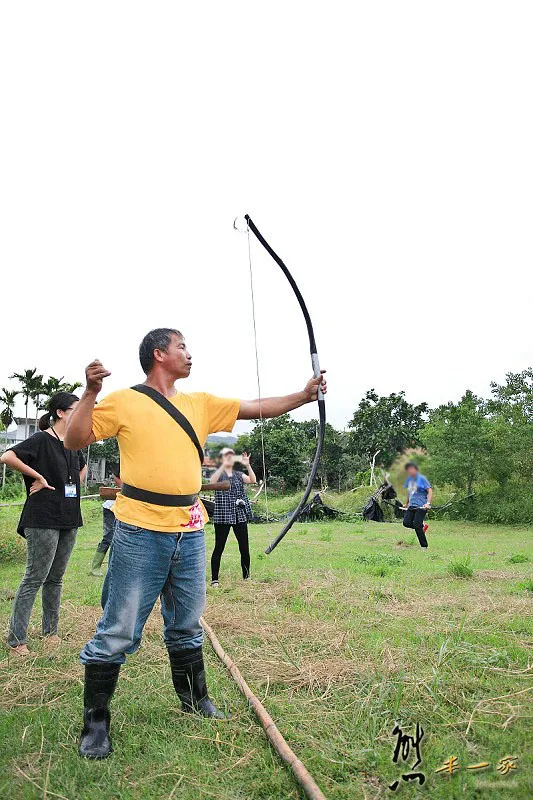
x=158 y=499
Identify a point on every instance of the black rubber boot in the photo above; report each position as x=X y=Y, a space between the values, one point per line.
x=188 y=677
x=100 y=681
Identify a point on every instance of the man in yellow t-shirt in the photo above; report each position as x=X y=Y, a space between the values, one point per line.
x=158 y=545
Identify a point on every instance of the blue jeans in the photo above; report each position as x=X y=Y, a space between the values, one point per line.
x=47 y=557
x=144 y=565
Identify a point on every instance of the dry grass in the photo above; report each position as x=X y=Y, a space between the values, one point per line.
x=336 y=652
x=494 y=575
x=281 y=641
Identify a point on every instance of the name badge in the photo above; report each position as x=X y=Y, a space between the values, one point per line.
x=70 y=490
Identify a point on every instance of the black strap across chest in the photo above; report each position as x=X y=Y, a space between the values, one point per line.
x=176 y=415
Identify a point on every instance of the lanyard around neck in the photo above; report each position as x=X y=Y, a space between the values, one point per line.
x=68 y=461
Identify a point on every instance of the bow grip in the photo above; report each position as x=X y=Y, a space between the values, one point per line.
x=317 y=373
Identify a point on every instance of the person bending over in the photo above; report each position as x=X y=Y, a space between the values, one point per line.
x=158 y=544
x=419 y=494
x=232 y=510
x=50 y=518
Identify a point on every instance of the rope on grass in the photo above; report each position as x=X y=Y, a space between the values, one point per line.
x=273 y=734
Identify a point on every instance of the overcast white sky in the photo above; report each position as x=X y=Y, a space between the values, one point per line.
x=384 y=149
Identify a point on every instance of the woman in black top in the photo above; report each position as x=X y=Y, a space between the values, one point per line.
x=232 y=510
x=50 y=518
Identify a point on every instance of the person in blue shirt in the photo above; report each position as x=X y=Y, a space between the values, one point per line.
x=419 y=494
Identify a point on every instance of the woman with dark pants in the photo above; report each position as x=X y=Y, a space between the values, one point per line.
x=50 y=518
x=109 y=529
x=232 y=510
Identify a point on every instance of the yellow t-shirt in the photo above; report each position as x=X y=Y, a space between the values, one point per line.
x=157 y=455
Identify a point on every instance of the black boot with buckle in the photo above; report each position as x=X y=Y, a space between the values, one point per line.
x=100 y=681
x=188 y=677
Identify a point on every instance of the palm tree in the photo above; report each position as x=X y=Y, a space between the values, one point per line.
x=36 y=394
x=29 y=381
x=71 y=387
x=54 y=385
x=50 y=387
x=7 y=398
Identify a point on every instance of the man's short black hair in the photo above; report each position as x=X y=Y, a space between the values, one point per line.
x=158 y=339
x=411 y=464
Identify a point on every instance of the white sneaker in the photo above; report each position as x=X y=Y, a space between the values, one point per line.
x=215 y=585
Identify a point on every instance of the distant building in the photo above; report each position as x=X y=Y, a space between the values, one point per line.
x=17 y=434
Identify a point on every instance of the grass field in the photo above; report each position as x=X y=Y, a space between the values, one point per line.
x=346 y=630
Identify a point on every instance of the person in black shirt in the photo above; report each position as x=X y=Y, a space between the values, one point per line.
x=50 y=518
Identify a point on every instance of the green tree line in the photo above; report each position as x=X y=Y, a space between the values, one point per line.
x=480 y=446
x=473 y=445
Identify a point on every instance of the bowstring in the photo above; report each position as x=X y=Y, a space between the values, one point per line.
x=257 y=371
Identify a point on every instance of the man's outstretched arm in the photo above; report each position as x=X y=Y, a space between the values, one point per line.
x=269 y=407
x=80 y=425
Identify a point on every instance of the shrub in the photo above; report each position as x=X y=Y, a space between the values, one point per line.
x=380 y=571
x=511 y=504
x=523 y=586
x=12 y=546
x=461 y=567
x=13 y=489
x=518 y=558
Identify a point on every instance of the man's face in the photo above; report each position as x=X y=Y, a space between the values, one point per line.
x=176 y=360
x=412 y=472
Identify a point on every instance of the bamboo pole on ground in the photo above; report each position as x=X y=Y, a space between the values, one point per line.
x=276 y=739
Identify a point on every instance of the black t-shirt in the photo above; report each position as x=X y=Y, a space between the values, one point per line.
x=46 y=508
